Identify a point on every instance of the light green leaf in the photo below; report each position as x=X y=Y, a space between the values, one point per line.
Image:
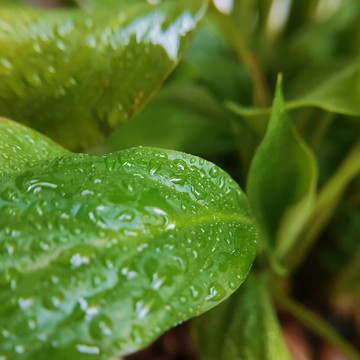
x=86 y=74
x=246 y=110
x=281 y=182
x=322 y=87
x=183 y=117
x=105 y=4
x=19 y=148
x=338 y=92
x=244 y=327
x=101 y=254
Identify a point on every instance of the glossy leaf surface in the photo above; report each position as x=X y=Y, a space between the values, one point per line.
x=281 y=181
x=101 y=254
x=244 y=327
x=85 y=73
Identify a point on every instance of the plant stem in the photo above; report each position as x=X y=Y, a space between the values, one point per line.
x=320 y=129
x=316 y=324
x=345 y=281
x=301 y=12
x=325 y=205
x=264 y=7
x=247 y=57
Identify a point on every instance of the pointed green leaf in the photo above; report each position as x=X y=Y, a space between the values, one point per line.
x=281 y=181
x=244 y=327
x=101 y=254
x=85 y=73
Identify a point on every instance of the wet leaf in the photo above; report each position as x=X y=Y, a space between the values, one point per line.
x=86 y=74
x=101 y=254
x=281 y=182
x=244 y=327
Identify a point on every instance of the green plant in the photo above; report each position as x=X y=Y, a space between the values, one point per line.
x=114 y=236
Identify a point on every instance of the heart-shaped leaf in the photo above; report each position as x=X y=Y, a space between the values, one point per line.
x=244 y=327
x=85 y=73
x=281 y=182
x=101 y=254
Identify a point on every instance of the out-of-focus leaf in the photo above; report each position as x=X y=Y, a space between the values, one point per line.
x=211 y=61
x=342 y=233
x=328 y=88
x=101 y=254
x=281 y=182
x=182 y=117
x=247 y=111
x=342 y=257
x=106 y=4
x=86 y=74
x=326 y=203
x=244 y=327
x=330 y=34
x=338 y=92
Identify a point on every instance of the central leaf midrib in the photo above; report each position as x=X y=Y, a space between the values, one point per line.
x=180 y=226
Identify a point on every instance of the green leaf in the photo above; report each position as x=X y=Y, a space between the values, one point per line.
x=183 y=117
x=213 y=63
x=338 y=92
x=20 y=148
x=101 y=254
x=326 y=203
x=86 y=74
x=105 y=4
x=244 y=327
x=281 y=182
x=324 y=87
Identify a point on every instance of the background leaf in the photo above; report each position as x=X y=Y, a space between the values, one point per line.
x=182 y=117
x=337 y=91
x=86 y=74
x=244 y=327
x=281 y=181
x=101 y=254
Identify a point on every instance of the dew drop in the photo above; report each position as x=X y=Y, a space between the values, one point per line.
x=216 y=293
x=19 y=349
x=100 y=326
x=60 y=45
x=86 y=349
x=195 y=292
